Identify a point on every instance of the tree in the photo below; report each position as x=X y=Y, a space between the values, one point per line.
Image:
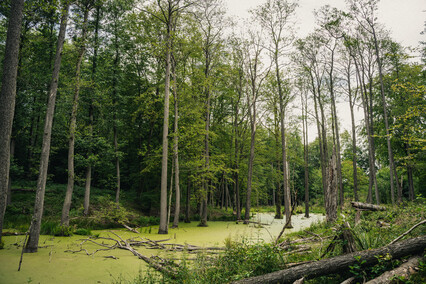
x=32 y=244
x=256 y=74
x=7 y=98
x=275 y=18
x=365 y=15
x=86 y=6
x=211 y=21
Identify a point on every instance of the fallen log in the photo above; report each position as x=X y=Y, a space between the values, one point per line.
x=341 y=263
x=130 y=228
x=405 y=270
x=367 y=206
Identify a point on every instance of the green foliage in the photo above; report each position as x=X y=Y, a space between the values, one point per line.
x=55 y=229
x=83 y=232
x=240 y=260
x=145 y=221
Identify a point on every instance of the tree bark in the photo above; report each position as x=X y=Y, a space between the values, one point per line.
x=73 y=124
x=32 y=244
x=7 y=98
x=176 y=153
x=331 y=190
x=340 y=263
x=354 y=156
x=163 y=228
x=9 y=183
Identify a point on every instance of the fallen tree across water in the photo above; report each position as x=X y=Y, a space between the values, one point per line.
x=165 y=266
x=341 y=263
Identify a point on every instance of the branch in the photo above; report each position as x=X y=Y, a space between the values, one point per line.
x=406 y=233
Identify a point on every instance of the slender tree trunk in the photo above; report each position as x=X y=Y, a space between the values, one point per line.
x=354 y=156
x=73 y=125
x=252 y=115
x=32 y=243
x=7 y=98
x=305 y=150
x=278 y=211
x=287 y=194
x=188 y=201
x=410 y=175
x=86 y=203
x=236 y=167
x=385 y=116
x=176 y=153
x=372 y=167
x=163 y=228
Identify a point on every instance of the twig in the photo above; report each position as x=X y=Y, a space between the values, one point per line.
x=406 y=233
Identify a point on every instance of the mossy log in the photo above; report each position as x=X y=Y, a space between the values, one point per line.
x=341 y=263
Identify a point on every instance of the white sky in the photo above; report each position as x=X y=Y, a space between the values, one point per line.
x=404 y=18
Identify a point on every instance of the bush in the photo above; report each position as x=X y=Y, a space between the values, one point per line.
x=145 y=221
x=83 y=232
x=54 y=229
x=1 y=244
x=239 y=261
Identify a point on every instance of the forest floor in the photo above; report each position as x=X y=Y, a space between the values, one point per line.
x=51 y=264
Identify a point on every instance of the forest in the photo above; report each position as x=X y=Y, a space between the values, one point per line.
x=147 y=115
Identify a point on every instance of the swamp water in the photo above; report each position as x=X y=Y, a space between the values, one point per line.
x=52 y=265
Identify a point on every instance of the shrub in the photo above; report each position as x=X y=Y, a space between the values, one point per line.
x=83 y=232
x=145 y=221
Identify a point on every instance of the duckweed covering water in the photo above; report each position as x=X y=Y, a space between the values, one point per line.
x=53 y=265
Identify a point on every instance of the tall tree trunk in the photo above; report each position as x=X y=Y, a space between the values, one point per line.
x=278 y=211
x=188 y=200
x=252 y=116
x=204 y=202
x=73 y=125
x=236 y=165
x=354 y=156
x=385 y=116
x=86 y=203
x=7 y=98
x=163 y=228
x=372 y=167
x=305 y=150
x=176 y=152
x=32 y=243
x=287 y=194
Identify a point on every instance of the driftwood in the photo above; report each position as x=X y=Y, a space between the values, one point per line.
x=341 y=263
x=405 y=270
x=130 y=229
x=367 y=206
x=409 y=231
